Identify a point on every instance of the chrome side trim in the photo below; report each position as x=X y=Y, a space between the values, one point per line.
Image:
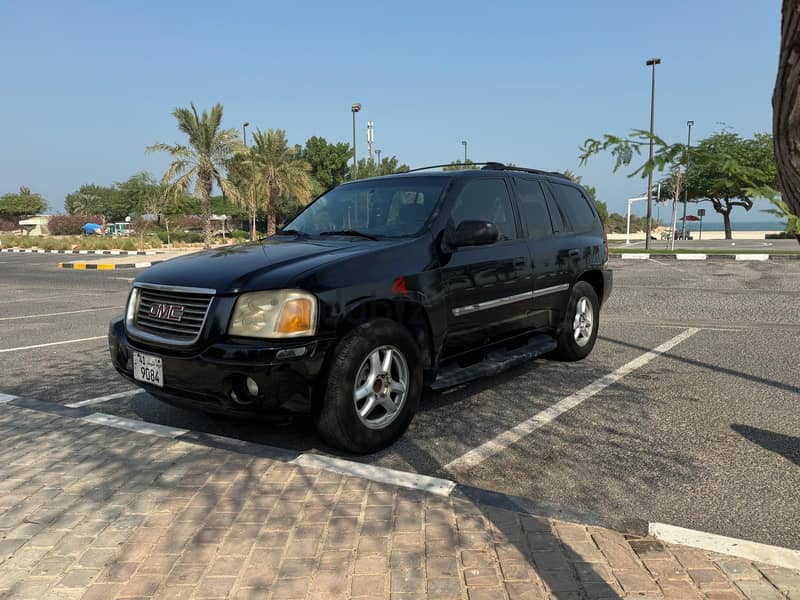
x=551 y=290
x=471 y=308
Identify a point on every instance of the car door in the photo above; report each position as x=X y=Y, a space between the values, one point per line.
x=544 y=230
x=488 y=288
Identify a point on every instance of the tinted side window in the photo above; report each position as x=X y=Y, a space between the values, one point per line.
x=486 y=200
x=575 y=207
x=533 y=207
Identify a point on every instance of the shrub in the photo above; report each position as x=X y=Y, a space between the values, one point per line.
x=238 y=234
x=70 y=224
x=189 y=237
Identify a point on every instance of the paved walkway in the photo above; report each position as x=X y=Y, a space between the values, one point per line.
x=97 y=513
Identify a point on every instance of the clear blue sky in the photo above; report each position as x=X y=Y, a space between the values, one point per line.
x=87 y=85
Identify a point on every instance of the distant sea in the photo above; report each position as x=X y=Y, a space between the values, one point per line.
x=737 y=225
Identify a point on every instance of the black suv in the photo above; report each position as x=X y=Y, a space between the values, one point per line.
x=376 y=289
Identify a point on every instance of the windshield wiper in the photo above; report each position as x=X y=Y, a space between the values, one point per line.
x=352 y=232
x=292 y=232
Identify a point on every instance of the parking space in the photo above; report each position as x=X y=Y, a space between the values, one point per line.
x=701 y=435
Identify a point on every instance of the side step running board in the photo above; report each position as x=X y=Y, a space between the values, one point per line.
x=495 y=362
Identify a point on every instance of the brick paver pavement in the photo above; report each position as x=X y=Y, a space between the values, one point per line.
x=92 y=512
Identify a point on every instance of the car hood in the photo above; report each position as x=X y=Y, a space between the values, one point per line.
x=269 y=264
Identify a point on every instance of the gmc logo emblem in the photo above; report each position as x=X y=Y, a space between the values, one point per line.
x=166 y=312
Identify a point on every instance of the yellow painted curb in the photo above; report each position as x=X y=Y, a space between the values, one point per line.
x=79 y=266
x=106 y=267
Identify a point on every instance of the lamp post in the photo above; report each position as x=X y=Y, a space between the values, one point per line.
x=464 y=142
x=651 y=63
x=686 y=183
x=244 y=132
x=354 y=109
x=378 y=153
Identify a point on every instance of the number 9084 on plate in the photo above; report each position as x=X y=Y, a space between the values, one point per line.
x=148 y=369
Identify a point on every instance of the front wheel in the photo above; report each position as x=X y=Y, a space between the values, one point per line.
x=374 y=384
x=578 y=332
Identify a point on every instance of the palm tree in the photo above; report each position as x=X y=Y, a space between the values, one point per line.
x=202 y=161
x=277 y=172
x=242 y=170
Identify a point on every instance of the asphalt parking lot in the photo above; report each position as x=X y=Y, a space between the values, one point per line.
x=704 y=434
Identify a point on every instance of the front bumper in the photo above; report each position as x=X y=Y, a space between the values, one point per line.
x=213 y=378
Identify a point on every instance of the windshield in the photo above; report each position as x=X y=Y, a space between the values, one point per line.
x=395 y=207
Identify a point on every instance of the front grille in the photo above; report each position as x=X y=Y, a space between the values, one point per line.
x=171 y=315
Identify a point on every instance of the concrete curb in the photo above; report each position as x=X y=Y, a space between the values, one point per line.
x=108 y=252
x=752 y=256
x=82 y=266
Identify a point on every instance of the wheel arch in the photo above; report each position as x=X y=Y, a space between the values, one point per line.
x=410 y=314
x=595 y=279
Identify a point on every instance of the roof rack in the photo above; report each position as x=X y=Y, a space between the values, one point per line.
x=496 y=166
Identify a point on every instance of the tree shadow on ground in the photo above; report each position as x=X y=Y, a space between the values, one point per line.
x=786 y=446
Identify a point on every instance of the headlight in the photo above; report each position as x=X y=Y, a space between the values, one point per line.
x=274 y=314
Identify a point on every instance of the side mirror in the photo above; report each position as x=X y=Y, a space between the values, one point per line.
x=473 y=233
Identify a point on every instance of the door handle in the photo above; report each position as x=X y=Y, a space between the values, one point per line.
x=573 y=252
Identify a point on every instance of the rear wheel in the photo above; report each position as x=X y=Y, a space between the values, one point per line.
x=374 y=384
x=578 y=331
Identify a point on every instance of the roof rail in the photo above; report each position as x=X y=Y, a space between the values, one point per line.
x=503 y=167
x=497 y=166
x=445 y=165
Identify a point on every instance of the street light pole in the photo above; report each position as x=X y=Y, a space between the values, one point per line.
x=686 y=183
x=354 y=109
x=465 y=150
x=244 y=132
x=378 y=152
x=651 y=63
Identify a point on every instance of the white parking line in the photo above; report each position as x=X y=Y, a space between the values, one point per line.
x=134 y=425
x=101 y=399
x=88 y=339
x=433 y=485
x=58 y=314
x=771 y=555
x=513 y=435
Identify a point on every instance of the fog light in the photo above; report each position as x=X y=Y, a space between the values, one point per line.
x=252 y=386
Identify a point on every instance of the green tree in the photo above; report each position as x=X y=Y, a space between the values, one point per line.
x=725 y=170
x=278 y=172
x=242 y=172
x=457 y=165
x=780 y=209
x=724 y=166
x=201 y=162
x=22 y=204
x=91 y=199
x=370 y=168
x=137 y=191
x=328 y=162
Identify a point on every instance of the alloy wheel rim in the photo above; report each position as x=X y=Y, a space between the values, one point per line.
x=381 y=387
x=583 y=323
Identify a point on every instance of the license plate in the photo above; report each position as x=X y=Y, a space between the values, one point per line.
x=148 y=369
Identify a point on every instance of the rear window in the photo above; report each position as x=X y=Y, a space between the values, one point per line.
x=575 y=207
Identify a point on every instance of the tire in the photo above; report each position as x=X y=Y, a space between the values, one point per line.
x=356 y=377
x=582 y=302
